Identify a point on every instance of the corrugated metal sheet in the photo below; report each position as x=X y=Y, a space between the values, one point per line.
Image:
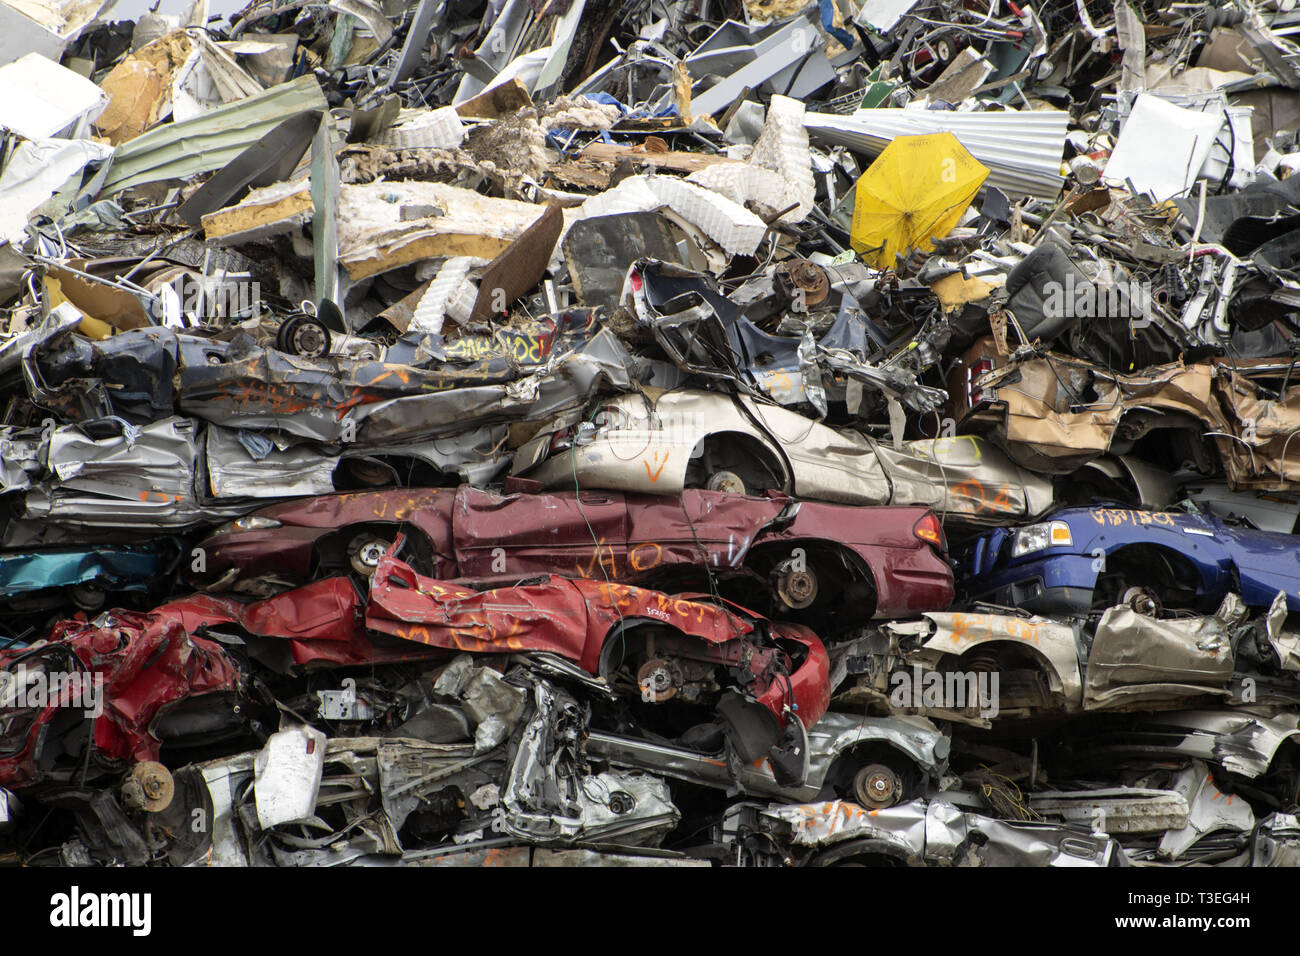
x=207 y=142
x=1021 y=149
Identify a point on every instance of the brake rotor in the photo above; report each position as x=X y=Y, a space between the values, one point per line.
x=727 y=481
x=149 y=787
x=797 y=589
x=656 y=681
x=306 y=337
x=877 y=787
x=364 y=553
x=1142 y=601
x=371 y=473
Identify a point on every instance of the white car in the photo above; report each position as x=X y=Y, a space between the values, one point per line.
x=697 y=439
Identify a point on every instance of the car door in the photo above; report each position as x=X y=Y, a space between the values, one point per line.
x=511 y=537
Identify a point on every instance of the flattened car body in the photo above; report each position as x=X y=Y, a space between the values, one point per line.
x=692 y=438
x=477 y=536
x=577 y=620
x=1060 y=573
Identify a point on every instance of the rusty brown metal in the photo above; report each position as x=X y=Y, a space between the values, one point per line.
x=520 y=266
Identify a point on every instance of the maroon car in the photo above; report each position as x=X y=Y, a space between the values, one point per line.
x=840 y=565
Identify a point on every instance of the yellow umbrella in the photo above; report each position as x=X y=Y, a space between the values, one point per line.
x=917 y=189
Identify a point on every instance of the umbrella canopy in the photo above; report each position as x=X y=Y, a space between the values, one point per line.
x=917 y=189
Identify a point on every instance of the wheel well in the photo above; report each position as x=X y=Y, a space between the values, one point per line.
x=744 y=455
x=1009 y=655
x=366 y=472
x=839 y=778
x=329 y=553
x=1172 y=575
x=847 y=594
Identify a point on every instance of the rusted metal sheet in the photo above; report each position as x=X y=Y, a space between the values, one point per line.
x=520 y=266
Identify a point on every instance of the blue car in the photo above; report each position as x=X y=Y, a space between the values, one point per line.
x=1088 y=558
x=38 y=581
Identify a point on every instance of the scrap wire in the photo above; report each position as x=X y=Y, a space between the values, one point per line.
x=1006 y=798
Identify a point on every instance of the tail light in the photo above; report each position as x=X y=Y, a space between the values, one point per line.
x=929 y=530
x=978 y=396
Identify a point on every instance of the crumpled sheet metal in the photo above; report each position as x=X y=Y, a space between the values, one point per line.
x=938 y=833
x=563 y=383
x=1258 y=448
x=574 y=619
x=207 y=142
x=321 y=399
x=1238 y=741
x=116 y=568
x=20 y=458
x=299 y=469
x=1044 y=427
x=1052 y=642
x=71 y=376
x=130 y=477
x=1021 y=149
x=1134 y=655
x=1286 y=644
x=1209 y=810
x=145 y=662
x=639 y=446
x=559 y=616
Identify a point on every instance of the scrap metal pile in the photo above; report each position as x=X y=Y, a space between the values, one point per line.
x=679 y=432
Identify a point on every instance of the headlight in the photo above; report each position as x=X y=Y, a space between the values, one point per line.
x=248 y=523
x=1036 y=537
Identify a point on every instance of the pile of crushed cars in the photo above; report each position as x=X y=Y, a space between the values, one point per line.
x=684 y=433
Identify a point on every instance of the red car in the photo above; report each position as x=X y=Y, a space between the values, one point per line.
x=148 y=677
x=840 y=564
x=140 y=680
x=645 y=644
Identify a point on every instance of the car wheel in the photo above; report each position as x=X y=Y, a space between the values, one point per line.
x=87 y=597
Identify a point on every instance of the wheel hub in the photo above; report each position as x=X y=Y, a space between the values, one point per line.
x=877 y=787
x=656 y=681
x=149 y=787
x=88 y=597
x=797 y=589
x=365 y=554
x=307 y=340
x=727 y=481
